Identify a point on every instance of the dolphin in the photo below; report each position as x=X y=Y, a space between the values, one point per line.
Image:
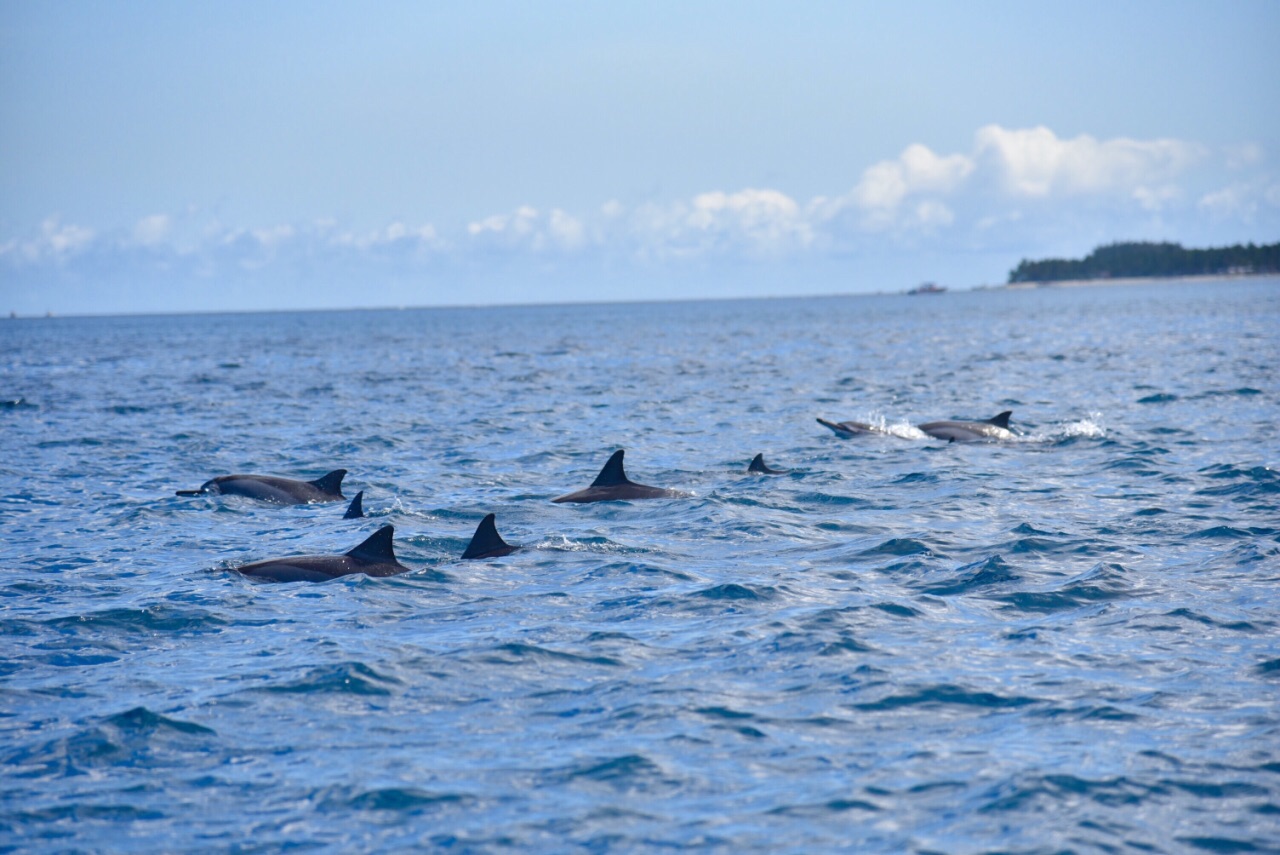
x=612 y=485
x=268 y=488
x=373 y=557
x=847 y=429
x=356 y=509
x=487 y=543
x=996 y=427
x=759 y=467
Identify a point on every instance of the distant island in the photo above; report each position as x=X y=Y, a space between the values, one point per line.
x=1144 y=259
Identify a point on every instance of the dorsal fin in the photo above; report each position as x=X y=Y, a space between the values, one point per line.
x=331 y=483
x=356 y=509
x=377 y=547
x=612 y=474
x=1002 y=420
x=486 y=540
x=759 y=467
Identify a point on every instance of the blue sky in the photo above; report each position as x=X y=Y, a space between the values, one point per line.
x=159 y=156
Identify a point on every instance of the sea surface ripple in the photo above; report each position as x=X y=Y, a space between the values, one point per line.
x=1061 y=643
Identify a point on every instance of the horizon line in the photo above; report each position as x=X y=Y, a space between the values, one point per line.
x=959 y=289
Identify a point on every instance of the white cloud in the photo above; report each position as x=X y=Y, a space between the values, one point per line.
x=917 y=171
x=153 y=230
x=1012 y=188
x=1244 y=155
x=932 y=213
x=519 y=223
x=273 y=236
x=903 y=193
x=1243 y=201
x=65 y=240
x=528 y=228
x=54 y=242
x=1156 y=199
x=763 y=220
x=397 y=234
x=564 y=230
x=1035 y=162
x=756 y=223
x=920 y=189
x=1226 y=202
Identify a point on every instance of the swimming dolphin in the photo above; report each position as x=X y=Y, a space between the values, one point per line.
x=268 y=488
x=612 y=485
x=356 y=509
x=760 y=467
x=373 y=557
x=487 y=543
x=852 y=428
x=996 y=427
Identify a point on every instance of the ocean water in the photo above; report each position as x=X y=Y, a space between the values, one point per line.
x=1067 y=642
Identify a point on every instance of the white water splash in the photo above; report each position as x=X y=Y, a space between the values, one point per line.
x=1092 y=427
x=902 y=429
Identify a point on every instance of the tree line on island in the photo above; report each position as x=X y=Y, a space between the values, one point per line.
x=1149 y=259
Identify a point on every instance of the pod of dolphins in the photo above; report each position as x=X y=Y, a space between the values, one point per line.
x=375 y=556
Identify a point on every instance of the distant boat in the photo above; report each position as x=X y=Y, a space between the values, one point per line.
x=928 y=288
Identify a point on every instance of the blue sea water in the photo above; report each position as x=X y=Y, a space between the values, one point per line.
x=1062 y=643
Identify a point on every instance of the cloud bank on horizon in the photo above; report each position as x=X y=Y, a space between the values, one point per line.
x=1013 y=187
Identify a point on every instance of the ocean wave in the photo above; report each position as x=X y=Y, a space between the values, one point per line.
x=1057 y=643
x=969 y=578
x=344 y=678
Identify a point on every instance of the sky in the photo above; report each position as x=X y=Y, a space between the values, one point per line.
x=209 y=156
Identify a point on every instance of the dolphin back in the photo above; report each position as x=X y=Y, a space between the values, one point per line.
x=205 y=488
x=270 y=488
x=331 y=483
x=377 y=548
x=612 y=474
x=613 y=485
x=849 y=428
x=486 y=542
x=1002 y=420
x=759 y=467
